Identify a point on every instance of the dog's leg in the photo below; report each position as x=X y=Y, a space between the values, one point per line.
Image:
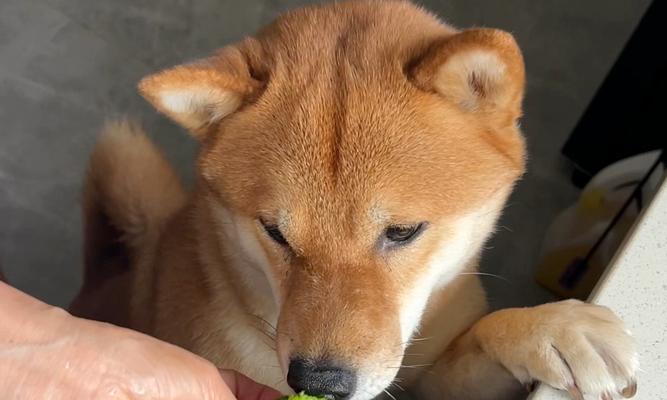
x=573 y=346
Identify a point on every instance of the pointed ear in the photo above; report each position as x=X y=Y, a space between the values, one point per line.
x=199 y=94
x=481 y=70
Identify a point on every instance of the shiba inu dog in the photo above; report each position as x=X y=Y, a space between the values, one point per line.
x=354 y=157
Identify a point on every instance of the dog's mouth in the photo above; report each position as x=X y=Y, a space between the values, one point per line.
x=336 y=380
x=324 y=378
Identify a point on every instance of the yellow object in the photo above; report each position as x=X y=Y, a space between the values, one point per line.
x=565 y=266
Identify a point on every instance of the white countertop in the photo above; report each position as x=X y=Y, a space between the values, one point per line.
x=635 y=287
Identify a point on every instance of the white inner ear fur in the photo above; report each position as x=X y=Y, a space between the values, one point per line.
x=470 y=76
x=204 y=104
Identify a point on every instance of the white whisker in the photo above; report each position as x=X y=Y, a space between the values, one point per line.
x=389 y=394
x=486 y=274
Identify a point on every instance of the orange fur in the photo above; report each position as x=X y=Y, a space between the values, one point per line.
x=332 y=123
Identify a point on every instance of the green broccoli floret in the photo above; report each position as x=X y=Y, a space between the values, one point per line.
x=301 y=396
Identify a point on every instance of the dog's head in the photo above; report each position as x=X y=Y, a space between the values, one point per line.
x=358 y=155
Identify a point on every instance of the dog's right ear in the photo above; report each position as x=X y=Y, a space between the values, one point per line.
x=201 y=93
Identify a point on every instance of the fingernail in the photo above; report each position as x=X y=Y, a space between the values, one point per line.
x=575 y=393
x=630 y=391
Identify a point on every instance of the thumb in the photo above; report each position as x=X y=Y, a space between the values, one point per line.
x=245 y=388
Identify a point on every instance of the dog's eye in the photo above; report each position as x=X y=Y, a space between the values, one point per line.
x=403 y=234
x=274 y=233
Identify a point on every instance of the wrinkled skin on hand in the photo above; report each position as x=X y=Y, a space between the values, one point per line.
x=47 y=353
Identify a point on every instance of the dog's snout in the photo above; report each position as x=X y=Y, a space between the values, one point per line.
x=321 y=378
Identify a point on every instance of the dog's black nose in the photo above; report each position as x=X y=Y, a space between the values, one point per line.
x=321 y=378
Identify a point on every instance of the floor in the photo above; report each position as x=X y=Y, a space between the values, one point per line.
x=66 y=65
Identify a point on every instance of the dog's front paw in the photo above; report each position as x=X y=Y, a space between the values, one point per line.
x=570 y=345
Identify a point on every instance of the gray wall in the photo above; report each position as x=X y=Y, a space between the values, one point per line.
x=66 y=65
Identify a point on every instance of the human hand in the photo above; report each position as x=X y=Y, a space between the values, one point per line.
x=47 y=353
x=244 y=388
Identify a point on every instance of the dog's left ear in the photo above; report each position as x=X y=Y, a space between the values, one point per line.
x=202 y=93
x=481 y=70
